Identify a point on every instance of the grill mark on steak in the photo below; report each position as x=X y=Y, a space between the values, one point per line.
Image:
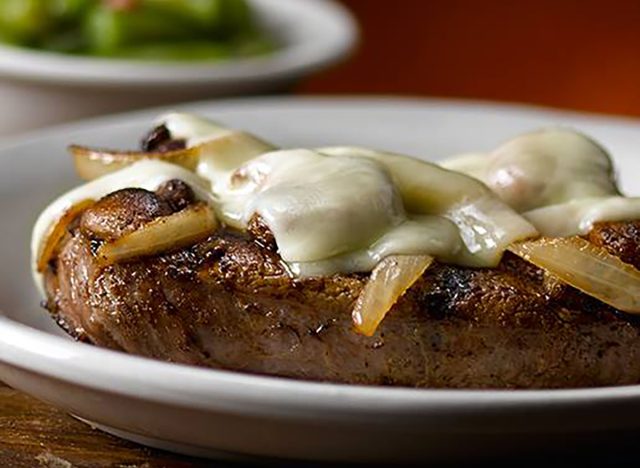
x=228 y=302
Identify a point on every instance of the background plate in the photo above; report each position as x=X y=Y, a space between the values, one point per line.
x=212 y=412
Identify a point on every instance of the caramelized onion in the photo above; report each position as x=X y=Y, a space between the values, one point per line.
x=390 y=279
x=162 y=234
x=228 y=149
x=586 y=267
x=49 y=246
x=92 y=163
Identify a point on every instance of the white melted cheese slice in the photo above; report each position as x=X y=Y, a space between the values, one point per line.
x=558 y=179
x=331 y=210
x=343 y=209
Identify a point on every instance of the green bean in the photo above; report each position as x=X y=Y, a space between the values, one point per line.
x=24 y=21
x=145 y=29
x=70 y=11
x=237 y=17
x=108 y=30
x=204 y=15
x=255 y=45
x=181 y=51
x=196 y=50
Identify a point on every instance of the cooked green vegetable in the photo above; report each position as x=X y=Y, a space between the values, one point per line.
x=141 y=29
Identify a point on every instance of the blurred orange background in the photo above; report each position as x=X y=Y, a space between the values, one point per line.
x=563 y=53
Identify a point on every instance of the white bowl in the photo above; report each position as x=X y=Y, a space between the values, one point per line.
x=216 y=413
x=40 y=88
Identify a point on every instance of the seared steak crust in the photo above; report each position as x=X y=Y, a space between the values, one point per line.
x=228 y=303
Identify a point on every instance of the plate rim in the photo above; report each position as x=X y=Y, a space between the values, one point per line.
x=256 y=394
x=379 y=101
x=203 y=388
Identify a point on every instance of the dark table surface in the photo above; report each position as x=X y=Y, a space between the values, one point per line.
x=35 y=434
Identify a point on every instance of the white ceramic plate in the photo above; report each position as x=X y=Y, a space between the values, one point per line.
x=218 y=413
x=311 y=33
x=39 y=88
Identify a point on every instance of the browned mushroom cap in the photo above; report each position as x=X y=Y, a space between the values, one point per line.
x=163 y=234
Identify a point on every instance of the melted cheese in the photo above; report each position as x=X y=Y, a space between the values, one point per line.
x=343 y=209
x=560 y=180
x=191 y=128
x=415 y=235
x=148 y=174
x=578 y=216
x=316 y=207
x=485 y=223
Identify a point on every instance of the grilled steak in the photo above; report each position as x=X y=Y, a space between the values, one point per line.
x=227 y=302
